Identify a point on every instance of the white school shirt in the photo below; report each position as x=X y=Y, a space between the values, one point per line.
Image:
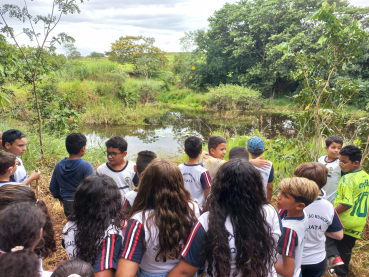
x=109 y=249
x=292 y=241
x=135 y=250
x=267 y=174
x=194 y=245
x=21 y=174
x=130 y=197
x=2 y=183
x=196 y=180
x=124 y=178
x=322 y=218
x=333 y=178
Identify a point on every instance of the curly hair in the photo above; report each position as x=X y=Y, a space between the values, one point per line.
x=20 y=225
x=17 y=193
x=97 y=205
x=238 y=193
x=163 y=194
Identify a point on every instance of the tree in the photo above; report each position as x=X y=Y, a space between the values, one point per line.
x=30 y=67
x=96 y=55
x=71 y=51
x=342 y=43
x=129 y=49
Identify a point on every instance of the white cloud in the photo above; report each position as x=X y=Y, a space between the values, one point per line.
x=101 y=22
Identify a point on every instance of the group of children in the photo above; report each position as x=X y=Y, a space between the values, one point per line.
x=207 y=215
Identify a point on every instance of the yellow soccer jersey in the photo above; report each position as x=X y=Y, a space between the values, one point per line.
x=353 y=191
x=210 y=163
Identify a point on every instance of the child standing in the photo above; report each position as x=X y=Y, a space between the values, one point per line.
x=8 y=166
x=351 y=204
x=239 y=152
x=69 y=172
x=212 y=160
x=295 y=194
x=14 y=141
x=93 y=233
x=255 y=146
x=323 y=221
x=196 y=178
x=144 y=158
x=161 y=219
x=121 y=170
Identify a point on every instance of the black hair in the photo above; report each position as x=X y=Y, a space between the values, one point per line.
x=92 y=219
x=17 y=193
x=75 y=142
x=239 y=152
x=117 y=142
x=144 y=158
x=7 y=160
x=11 y=135
x=76 y=266
x=332 y=139
x=20 y=226
x=238 y=194
x=214 y=141
x=352 y=152
x=193 y=146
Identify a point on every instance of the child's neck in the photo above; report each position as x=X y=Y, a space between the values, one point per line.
x=4 y=178
x=118 y=166
x=75 y=156
x=192 y=161
x=294 y=213
x=330 y=159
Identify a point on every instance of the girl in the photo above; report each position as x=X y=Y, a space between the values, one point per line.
x=162 y=216
x=238 y=235
x=20 y=231
x=17 y=193
x=93 y=233
x=74 y=268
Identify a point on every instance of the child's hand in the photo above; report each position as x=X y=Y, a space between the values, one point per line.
x=36 y=175
x=259 y=162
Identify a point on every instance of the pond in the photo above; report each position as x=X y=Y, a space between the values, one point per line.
x=169 y=136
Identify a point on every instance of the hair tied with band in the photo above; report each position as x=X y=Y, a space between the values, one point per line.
x=74 y=275
x=17 y=248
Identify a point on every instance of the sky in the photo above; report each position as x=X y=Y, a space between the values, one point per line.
x=101 y=22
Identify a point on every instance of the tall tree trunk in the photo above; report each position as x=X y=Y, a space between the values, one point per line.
x=39 y=117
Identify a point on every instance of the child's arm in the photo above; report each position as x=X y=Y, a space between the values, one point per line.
x=126 y=268
x=34 y=176
x=206 y=192
x=105 y=273
x=269 y=191
x=259 y=162
x=341 y=208
x=335 y=230
x=206 y=183
x=287 y=267
x=184 y=269
x=335 y=235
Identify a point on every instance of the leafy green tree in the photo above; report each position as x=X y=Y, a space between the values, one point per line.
x=96 y=55
x=31 y=67
x=71 y=51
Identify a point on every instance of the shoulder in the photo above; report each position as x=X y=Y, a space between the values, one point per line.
x=322 y=159
x=86 y=163
x=102 y=167
x=204 y=220
x=182 y=165
x=69 y=226
x=195 y=207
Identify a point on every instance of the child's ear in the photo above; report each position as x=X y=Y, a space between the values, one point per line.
x=201 y=151
x=135 y=169
x=124 y=154
x=356 y=163
x=83 y=149
x=326 y=148
x=300 y=206
x=211 y=151
x=7 y=145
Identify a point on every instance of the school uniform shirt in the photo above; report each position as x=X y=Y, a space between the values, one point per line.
x=2 y=183
x=129 y=198
x=141 y=243
x=267 y=174
x=353 y=191
x=109 y=249
x=196 y=180
x=210 y=163
x=194 y=246
x=334 y=176
x=21 y=174
x=292 y=241
x=124 y=177
x=322 y=218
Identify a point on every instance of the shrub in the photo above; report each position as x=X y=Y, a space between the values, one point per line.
x=234 y=97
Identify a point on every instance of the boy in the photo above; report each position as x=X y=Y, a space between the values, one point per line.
x=8 y=166
x=144 y=158
x=196 y=178
x=69 y=172
x=14 y=141
x=255 y=146
x=295 y=194
x=217 y=147
x=239 y=152
x=331 y=161
x=351 y=204
x=121 y=170
x=323 y=221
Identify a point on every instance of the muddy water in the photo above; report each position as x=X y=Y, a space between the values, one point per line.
x=168 y=137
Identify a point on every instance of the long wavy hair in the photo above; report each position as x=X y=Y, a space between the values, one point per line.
x=97 y=205
x=20 y=226
x=18 y=193
x=163 y=195
x=238 y=193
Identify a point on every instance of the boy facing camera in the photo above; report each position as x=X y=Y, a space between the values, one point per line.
x=8 y=166
x=69 y=172
x=295 y=194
